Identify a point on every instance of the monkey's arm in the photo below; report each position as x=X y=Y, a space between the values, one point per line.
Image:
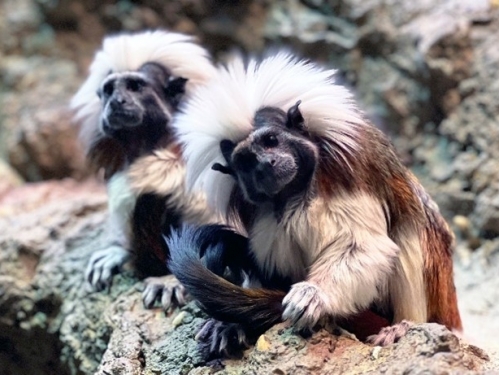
x=107 y=261
x=351 y=271
x=163 y=203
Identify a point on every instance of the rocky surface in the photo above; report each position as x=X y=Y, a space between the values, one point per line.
x=426 y=72
x=36 y=83
x=50 y=323
x=9 y=178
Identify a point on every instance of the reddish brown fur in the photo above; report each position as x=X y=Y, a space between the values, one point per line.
x=364 y=324
x=150 y=252
x=146 y=238
x=378 y=170
x=440 y=293
x=106 y=153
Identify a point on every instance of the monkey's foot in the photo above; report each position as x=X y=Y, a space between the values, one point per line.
x=390 y=335
x=166 y=290
x=218 y=339
x=304 y=305
x=103 y=265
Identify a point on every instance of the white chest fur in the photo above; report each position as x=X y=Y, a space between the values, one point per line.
x=120 y=205
x=277 y=248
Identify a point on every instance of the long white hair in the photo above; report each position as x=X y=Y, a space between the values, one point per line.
x=224 y=109
x=127 y=52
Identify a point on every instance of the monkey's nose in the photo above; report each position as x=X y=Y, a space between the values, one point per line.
x=266 y=162
x=120 y=99
x=264 y=168
x=117 y=103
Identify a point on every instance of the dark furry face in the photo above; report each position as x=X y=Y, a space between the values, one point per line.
x=139 y=101
x=277 y=160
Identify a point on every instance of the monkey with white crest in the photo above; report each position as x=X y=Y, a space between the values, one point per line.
x=336 y=224
x=125 y=108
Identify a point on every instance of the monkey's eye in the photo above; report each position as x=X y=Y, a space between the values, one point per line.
x=270 y=141
x=108 y=88
x=134 y=85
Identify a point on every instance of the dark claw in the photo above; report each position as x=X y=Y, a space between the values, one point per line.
x=150 y=295
x=306 y=332
x=167 y=296
x=205 y=330
x=217 y=339
x=179 y=295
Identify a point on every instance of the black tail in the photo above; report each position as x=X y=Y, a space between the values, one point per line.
x=258 y=309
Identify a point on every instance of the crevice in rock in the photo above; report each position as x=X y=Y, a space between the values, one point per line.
x=33 y=351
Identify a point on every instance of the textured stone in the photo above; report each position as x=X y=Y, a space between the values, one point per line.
x=40 y=139
x=44 y=306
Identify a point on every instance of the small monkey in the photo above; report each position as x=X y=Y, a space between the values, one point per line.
x=125 y=107
x=336 y=224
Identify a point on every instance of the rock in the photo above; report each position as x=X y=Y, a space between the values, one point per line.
x=455 y=201
x=47 y=240
x=44 y=222
x=40 y=138
x=486 y=215
x=9 y=178
x=478 y=290
x=21 y=20
x=324 y=353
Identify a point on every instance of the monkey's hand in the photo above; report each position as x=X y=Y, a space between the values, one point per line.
x=103 y=265
x=165 y=289
x=305 y=305
x=218 y=339
x=390 y=335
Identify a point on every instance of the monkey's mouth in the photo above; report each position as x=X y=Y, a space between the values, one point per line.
x=122 y=118
x=263 y=190
x=264 y=185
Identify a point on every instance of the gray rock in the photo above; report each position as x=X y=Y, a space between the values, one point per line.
x=46 y=310
x=39 y=137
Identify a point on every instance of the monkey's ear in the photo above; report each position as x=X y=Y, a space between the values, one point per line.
x=295 y=118
x=227 y=147
x=175 y=88
x=177 y=84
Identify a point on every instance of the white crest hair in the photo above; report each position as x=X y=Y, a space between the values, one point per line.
x=224 y=109
x=129 y=51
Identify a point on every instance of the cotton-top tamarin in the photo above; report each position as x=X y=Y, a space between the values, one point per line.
x=125 y=108
x=336 y=224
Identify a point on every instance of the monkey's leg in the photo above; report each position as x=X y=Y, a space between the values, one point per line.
x=103 y=264
x=346 y=278
x=218 y=339
x=165 y=289
x=108 y=261
x=390 y=335
x=364 y=324
x=151 y=221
